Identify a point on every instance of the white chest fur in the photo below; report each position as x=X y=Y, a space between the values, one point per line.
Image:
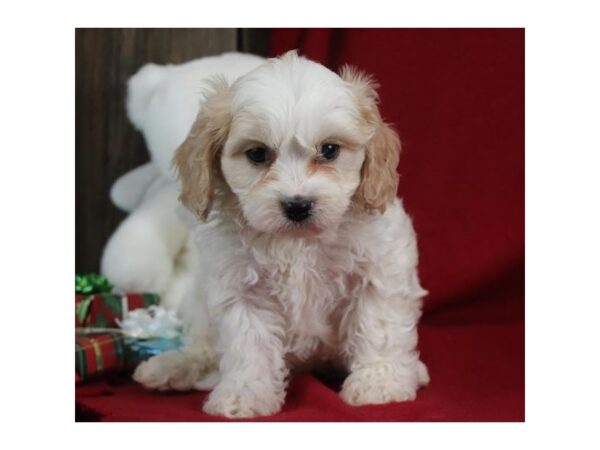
x=311 y=284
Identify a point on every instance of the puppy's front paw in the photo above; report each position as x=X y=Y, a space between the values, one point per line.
x=379 y=384
x=169 y=370
x=243 y=400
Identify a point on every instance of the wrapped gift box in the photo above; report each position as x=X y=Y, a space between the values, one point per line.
x=98 y=352
x=102 y=310
x=101 y=346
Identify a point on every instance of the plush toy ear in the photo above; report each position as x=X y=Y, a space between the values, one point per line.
x=197 y=159
x=379 y=176
x=130 y=189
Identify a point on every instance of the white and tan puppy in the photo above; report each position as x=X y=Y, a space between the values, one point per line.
x=306 y=254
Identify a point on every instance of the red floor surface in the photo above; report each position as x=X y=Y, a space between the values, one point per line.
x=476 y=368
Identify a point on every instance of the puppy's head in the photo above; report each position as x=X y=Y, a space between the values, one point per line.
x=295 y=144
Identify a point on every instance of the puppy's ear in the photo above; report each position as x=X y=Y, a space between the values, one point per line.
x=197 y=159
x=379 y=178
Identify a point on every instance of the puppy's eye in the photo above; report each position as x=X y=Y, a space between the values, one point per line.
x=329 y=152
x=258 y=155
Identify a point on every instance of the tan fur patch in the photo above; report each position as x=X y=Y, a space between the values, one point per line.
x=315 y=166
x=267 y=176
x=379 y=177
x=197 y=159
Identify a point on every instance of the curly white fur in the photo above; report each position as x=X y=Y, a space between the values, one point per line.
x=271 y=298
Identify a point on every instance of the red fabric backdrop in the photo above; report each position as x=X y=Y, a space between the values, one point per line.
x=456 y=97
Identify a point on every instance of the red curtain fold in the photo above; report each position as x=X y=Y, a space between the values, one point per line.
x=456 y=97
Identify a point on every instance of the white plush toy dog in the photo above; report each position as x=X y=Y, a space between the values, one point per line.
x=150 y=251
x=304 y=252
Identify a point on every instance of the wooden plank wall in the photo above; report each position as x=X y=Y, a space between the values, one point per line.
x=106 y=145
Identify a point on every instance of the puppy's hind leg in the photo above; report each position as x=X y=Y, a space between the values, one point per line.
x=208 y=381
x=177 y=370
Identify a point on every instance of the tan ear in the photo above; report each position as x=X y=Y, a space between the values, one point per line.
x=379 y=176
x=197 y=159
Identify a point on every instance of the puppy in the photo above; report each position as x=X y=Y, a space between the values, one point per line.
x=306 y=254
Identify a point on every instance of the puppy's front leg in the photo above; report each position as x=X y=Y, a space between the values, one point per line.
x=252 y=366
x=381 y=347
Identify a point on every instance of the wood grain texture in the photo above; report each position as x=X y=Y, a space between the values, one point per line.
x=106 y=145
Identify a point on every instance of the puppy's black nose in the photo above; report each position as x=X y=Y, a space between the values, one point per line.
x=297 y=208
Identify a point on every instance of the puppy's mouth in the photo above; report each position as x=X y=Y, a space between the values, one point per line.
x=305 y=228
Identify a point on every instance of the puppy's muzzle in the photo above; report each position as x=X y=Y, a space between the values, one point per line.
x=297 y=208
